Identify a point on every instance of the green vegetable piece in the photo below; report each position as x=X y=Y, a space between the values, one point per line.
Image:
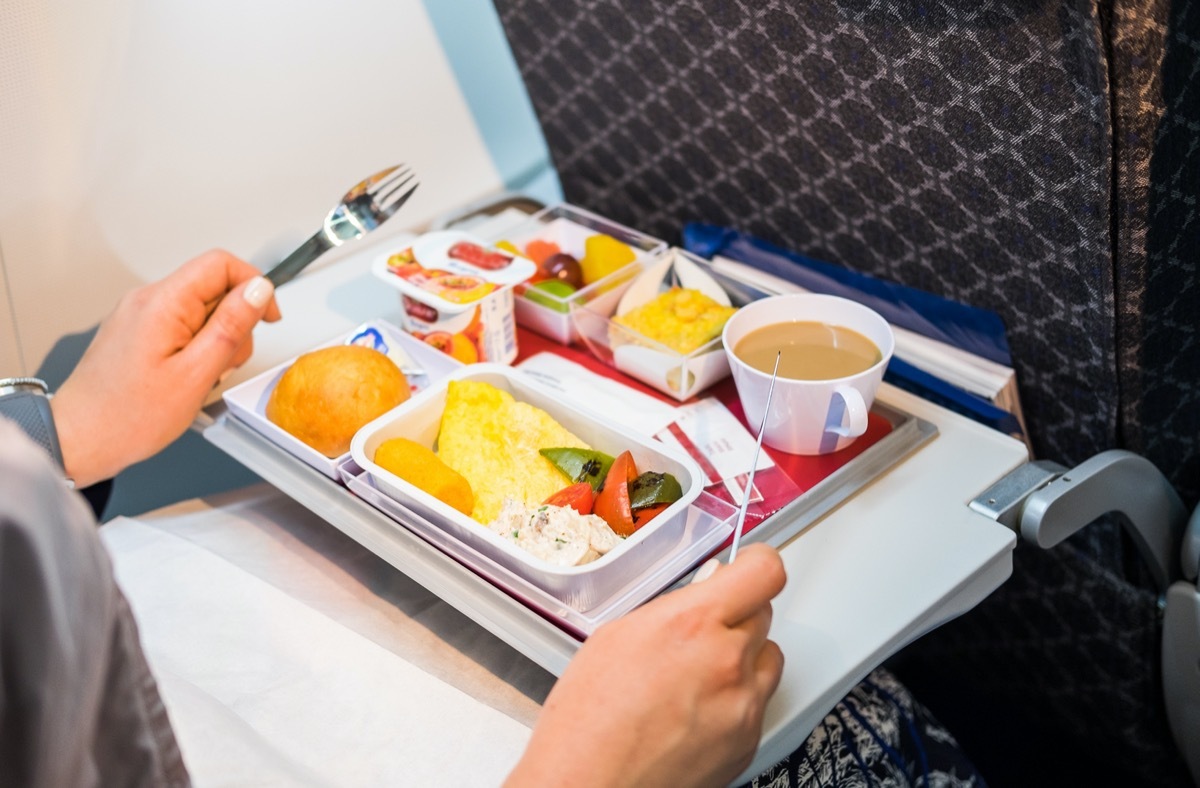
x=652 y=489
x=580 y=465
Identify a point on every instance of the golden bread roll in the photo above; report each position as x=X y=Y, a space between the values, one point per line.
x=328 y=394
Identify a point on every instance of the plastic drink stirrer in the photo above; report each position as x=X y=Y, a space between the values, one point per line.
x=741 y=520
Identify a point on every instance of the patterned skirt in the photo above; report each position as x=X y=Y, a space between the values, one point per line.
x=878 y=735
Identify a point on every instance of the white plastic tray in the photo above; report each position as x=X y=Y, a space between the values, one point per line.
x=247 y=401
x=709 y=522
x=667 y=539
x=547 y=635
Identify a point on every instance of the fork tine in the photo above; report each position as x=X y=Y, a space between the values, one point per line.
x=385 y=200
x=394 y=203
x=386 y=178
x=390 y=184
x=366 y=187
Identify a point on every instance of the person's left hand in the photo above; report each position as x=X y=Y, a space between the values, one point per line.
x=673 y=693
x=154 y=361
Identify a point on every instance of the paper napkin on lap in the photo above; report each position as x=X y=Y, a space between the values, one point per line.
x=264 y=690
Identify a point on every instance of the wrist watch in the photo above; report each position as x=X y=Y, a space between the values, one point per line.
x=26 y=401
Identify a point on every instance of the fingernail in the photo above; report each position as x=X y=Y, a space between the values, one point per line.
x=706 y=570
x=258 y=292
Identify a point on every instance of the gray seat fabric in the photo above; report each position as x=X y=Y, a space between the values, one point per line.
x=1036 y=157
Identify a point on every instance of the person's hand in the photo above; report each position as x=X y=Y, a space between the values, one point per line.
x=153 y=362
x=671 y=694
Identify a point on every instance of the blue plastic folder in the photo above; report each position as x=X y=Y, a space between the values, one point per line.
x=977 y=331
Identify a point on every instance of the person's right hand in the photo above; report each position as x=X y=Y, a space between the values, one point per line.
x=154 y=360
x=671 y=694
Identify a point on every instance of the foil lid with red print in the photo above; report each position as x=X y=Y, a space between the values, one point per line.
x=449 y=270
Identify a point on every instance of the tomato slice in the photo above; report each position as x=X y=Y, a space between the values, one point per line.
x=647 y=513
x=612 y=503
x=578 y=496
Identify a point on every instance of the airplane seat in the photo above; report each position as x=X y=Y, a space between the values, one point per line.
x=1038 y=158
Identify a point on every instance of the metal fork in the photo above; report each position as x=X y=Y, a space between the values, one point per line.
x=362 y=209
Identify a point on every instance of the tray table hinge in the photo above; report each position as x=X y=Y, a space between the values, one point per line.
x=1005 y=500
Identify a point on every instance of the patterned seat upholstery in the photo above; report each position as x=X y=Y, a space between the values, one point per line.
x=1037 y=157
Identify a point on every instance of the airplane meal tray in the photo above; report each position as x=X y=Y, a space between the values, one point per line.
x=540 y=628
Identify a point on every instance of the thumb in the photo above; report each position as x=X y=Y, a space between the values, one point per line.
x=216 y=344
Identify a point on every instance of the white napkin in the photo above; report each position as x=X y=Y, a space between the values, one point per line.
x=633 y=409
x=264 y=690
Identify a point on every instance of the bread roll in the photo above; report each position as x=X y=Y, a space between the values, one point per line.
x=328 y=394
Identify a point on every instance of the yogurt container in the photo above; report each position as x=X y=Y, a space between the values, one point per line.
x=457 y=294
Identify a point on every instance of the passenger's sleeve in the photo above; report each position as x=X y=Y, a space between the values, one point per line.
x=78 y=704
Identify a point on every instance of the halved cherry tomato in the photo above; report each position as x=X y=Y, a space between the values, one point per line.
x=646 y=514
x=578 y=496
x=612 y=503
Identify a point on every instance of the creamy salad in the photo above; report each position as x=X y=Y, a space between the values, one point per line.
x=556 y=534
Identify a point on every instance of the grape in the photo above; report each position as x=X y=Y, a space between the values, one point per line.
x=565 y=268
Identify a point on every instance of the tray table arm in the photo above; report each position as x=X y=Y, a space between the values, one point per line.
x=1046 y=503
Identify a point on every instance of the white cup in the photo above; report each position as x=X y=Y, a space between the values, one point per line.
x=808 y=416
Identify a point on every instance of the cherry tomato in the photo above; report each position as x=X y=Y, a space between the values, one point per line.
x=612 y=504
x=578 y=496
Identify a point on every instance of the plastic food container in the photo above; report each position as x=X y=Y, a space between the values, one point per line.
x=247 y=401
x=581 y=587
x=569 y=228
x=457 y=294
x=709 y=523
x=676 y=374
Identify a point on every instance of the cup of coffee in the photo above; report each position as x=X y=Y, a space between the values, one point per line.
x=832 y=353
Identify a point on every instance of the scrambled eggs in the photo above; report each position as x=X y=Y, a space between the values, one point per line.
x=493 y=441
x=681 y=319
